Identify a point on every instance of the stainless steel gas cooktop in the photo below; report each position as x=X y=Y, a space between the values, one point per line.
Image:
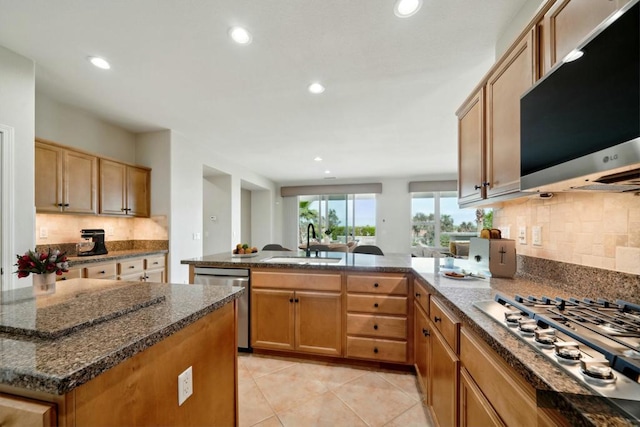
x=595 y=341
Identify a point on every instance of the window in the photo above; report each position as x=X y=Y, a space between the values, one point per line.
x=338 y=218
x=437 y=219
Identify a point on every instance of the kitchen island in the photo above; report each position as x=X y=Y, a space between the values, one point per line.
x=107 y=352
x=551 y=389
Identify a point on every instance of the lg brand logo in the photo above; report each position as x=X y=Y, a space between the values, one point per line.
x=607 y=158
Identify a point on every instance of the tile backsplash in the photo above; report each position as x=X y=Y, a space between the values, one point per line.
x=63 y=228
x=599 y=230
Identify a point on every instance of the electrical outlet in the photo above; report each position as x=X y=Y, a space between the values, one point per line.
x=522 y=235
x=536 y=235
x=44 y=233
x=185 y=385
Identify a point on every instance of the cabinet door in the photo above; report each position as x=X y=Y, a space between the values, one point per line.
x=80 y=182
x=156 y=276
x=272 y=314
x=421 y=348
x=19 y=411
x=138 y=191
x=471 y=173
x=48 y=178
x=475 y=409
x=444 y=381
x=318 y=322
x=73 y=273
x=567 y=24
x=113 y=180
x=504 y=88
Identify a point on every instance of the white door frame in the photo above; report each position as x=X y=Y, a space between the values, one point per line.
x=7 y=208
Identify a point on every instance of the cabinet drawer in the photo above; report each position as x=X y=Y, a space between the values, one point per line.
x=104 y=271
x=377 y=349
x=304 y=280
x=73 y=273
x=130 y=266
x=445 y=322
x=378 y=326
x=512 y=398
x=391 y=284
x=377 y=304
x=153 y=263
x=421 y=295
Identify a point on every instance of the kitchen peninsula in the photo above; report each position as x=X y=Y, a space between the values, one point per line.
x=107 y=352
x=398 y=310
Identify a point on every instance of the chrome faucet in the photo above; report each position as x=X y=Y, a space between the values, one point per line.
x=313 y=228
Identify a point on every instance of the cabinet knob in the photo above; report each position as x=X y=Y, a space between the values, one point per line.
x=375 y=327
x=102 y=272
x=486 y=184
x=375 y=285
x=436 y=319
x=132 y=266
x=63 y=278
x=375 y=350
x=123 y=210
x=375 y=305
x=425 y=332
x=290 y=299
x=297 y=300
x=66 y=205
x=417 y=294
x=155 y=263
x=477 y=187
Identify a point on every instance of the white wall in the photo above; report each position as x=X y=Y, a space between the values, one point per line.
x=245 y=226
x=216 y=200
x=153 y=150
x=262 y=206
x=71 y=126
x=17 y=110
x=393 y=216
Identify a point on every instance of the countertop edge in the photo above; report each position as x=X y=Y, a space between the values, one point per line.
x=76 y=261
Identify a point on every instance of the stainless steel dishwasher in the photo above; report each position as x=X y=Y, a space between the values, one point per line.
x=231 y=277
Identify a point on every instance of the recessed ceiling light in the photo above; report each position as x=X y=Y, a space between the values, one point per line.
x=406 y=8
x=572 y=56
x=316 y=88
x=240 y=35
x=99 y=62
x=327 y=171
x=318 y=159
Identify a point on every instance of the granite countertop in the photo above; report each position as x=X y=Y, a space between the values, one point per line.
x=54 y=343
x=75 y=261
x=553 y=387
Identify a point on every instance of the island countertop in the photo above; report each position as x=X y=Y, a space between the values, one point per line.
x=554 y=387
x=55 y=343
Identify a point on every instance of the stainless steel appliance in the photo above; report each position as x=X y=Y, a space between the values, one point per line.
x=597 y=342
x=95 y=246
x=231 y=277
x=580 y=124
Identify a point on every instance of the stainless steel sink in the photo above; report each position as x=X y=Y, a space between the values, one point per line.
x=301 y=260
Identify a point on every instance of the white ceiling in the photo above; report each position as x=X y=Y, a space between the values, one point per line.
x=393 y=84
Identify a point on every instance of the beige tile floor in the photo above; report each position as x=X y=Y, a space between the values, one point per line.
x=276 y=392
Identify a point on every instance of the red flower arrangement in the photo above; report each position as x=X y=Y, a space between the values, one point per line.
x=42 y=263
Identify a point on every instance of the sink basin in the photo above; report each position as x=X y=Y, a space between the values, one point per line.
x=301 y=260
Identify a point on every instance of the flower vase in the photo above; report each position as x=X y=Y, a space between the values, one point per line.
x=44 y=284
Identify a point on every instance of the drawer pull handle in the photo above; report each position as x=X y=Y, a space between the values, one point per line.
x=425 y=332
x=155 y=263
x=132 y=266
x=63 y=278
x=375 y=350
x=477 y=187
x=436 y=319
x=375 y=285
x=103 y=272
x=375 y=327
x=375 y=305
x=417 y=294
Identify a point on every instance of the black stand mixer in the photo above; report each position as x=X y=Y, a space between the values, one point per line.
x=97 y=237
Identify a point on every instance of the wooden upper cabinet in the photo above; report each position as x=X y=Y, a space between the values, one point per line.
x=471 y=149
x=65 y=180
x=569 y=22
x=505 y=85
x=124 y=189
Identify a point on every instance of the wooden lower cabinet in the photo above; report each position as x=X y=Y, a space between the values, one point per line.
x=444 y=381
x=18 y=411
x=285 y=316
x=475 y=409
x=422 y=348
x=73 y=273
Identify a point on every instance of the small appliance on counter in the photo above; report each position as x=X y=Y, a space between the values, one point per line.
x=498 y=256
x=95 y=246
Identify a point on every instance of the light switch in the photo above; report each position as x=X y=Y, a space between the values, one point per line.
x=522 y=235
x=536 y=235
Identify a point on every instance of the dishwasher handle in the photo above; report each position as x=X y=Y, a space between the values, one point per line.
x=233 y=272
